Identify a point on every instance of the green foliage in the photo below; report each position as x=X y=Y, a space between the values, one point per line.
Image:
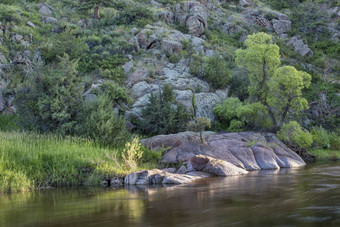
x=68 y=42
x=132 y=153
x=161 y=117
x=320 y=137
x=279 y=89
x=99 y=122
x=199 y=124
x=29 y=161
x=174 y=58
x=239 y=85
x=326 y=154
x=89 y=4
x=106 y=54
x=334 y=139
x=292 y=134
x=309 y=21
x=114 y=92
x=168 y=94
x=236 y=115
x=279 y=5
x=261 y=58
x=9 y=13
x=213 y=69
x=133 y=15
x=51 y=99
x=8 y=122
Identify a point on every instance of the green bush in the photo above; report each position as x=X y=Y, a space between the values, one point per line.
x=294 y=136
x=68 y=42
x=132 y=154
x=161 y=116
x=8 y=122
x=320 y=137
x=100 y=123
x=51 y=99
x=235 y=115
x=133 y=14
x=334 y=139
x=214 y=70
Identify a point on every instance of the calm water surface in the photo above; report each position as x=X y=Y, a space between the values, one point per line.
x=307 y=196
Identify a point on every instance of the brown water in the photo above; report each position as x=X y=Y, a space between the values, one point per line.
x=307 y=196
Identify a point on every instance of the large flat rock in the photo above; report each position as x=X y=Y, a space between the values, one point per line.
x=247 y=150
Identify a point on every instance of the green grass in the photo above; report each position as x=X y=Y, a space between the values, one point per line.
x=325 y=154
x=29 y=161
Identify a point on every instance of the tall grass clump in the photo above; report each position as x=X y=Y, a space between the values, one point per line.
x=29 y=161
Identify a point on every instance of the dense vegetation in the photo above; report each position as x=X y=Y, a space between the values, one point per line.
x=66 y=80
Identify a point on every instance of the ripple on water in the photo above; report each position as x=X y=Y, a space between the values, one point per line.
x=314 y=219
x=325 y=187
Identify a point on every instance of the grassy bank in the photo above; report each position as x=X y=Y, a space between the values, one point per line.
x=325 y=154
x=32 y=161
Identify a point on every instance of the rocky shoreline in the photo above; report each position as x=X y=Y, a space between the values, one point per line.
x=226 y=154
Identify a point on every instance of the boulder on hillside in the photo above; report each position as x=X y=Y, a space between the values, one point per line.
x=281 y=26
x=299 y=46
x=44 y=10
x=243 y=3
x=192 y=15
x=155 y=37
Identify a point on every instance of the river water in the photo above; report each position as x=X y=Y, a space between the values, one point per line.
x=308 y=196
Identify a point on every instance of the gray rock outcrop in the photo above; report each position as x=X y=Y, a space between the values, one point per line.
x=299 y=46
x=247 y=150
x=281 y=26
x=192 y=15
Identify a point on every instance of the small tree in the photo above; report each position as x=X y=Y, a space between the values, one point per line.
x=277 y=88
x=199 y=124
x=95 y=5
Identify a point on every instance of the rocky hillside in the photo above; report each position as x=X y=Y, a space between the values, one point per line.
x=138 y=46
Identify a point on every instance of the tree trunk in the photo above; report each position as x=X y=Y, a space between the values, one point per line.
x=96 y=11
x=272 y=117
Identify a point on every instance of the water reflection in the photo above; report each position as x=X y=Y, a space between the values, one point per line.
x=288 y=197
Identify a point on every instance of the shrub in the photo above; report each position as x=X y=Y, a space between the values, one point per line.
x=50 y=101
x=161 y=116
x=334 y=139
x=132 y=153
x=100 y=123
x=236 y=115
x=68 y=42
x=239 y=86
x=213 y=69
x=130 y=15
x=8 y=122
x=199 y=124
x=294 y=136
x=320 y=137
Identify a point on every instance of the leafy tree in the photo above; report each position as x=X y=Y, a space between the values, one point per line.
x=95 y=5
x=285 y=92
x=277 y=88
x=199 y=124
